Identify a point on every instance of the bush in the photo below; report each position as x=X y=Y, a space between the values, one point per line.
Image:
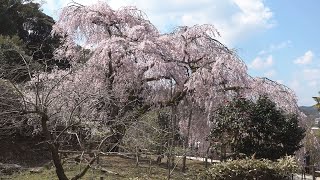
x=247 y=169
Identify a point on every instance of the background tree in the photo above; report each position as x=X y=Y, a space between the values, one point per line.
x=317 y=99
x=311 y=141
x=230 y=124
x=14 y=60
x=311 y=144
x=279 y=132
x=257 y=127
x=24 y=20
x=10 y=106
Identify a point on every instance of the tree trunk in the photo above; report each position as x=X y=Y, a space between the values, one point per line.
x=137 y=156
x=207 y=154
x=169 y=152
x=53 y=148
x=57 y=163
x=186 y=143
x=171 y=140
x=184 y=160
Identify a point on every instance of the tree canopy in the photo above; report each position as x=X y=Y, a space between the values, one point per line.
x=131 y=60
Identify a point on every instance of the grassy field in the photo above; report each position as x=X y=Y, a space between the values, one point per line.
x=117 y=168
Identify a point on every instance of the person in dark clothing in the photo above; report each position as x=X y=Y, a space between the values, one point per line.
x=307 y=162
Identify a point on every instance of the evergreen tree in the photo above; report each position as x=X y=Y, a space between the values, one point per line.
x=258 y=128
x=26 y=32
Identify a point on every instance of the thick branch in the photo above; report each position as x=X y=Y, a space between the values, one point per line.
x=53 y=147
x=156 y=78
x=176 y=98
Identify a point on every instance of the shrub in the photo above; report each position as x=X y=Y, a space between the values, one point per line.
x=247 y=169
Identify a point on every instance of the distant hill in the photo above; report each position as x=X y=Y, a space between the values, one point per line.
x=310 y=111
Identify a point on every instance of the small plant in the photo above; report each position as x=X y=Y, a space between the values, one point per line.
x=250 y=169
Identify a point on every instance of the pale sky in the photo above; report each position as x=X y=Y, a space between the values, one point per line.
x=277 y=39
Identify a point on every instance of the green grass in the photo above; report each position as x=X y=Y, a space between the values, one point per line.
x=123 y=168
